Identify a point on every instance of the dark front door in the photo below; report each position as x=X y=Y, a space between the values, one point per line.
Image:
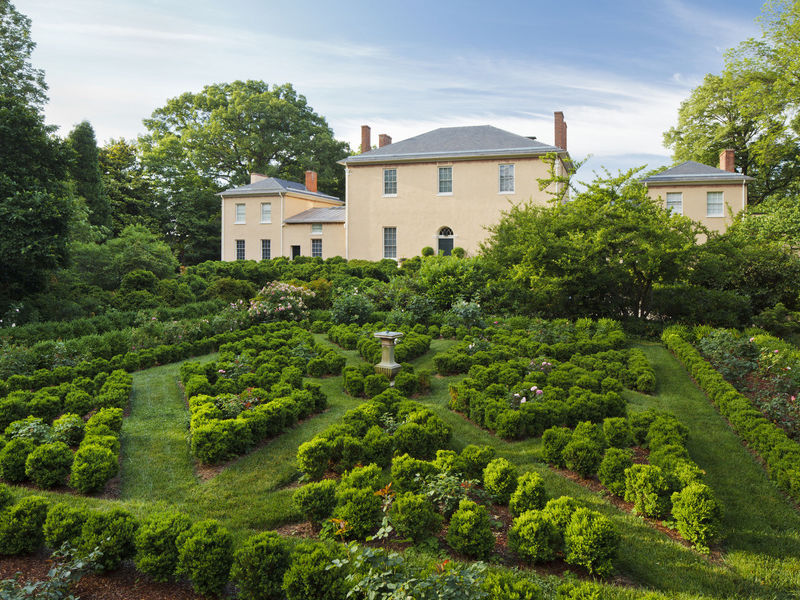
x=445 y=246
x=295 y=251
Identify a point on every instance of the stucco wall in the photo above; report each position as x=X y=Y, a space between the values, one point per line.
x=300 y=234
x=418 y=211
x=734 y=197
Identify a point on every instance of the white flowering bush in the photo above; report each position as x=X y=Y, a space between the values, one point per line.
x=279 y=301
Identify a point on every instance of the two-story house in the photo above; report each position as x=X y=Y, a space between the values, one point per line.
x=442 y=188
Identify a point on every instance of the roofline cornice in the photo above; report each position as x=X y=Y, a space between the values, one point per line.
x=424 y=157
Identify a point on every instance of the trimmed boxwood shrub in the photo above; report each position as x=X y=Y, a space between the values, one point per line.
x=560 y=510
x=582 y=455
x=415 y=517
x=309 y=577
x=12 y=459
x=698 y=514
x=529 y=495
x=405 y=470
x=49 y=465
x=473 y=460
x=554 y=440
x=259 y=566
x=316 y=500
x=68 y=429
x=21 y=526
x=375 y=384
x=470 y=530
x=648 y=488
x=113 y=533
x=106 y=441
x=92 y=468
x=416 y=440
x=110 y=417
x=617 y=432
x=205 y=556
x=534 y=537
x=78 y=402
x=314 y=456
x=156 y=544
x=591 y=541
x=64 y=524
x=360 y=508
x=612 y=470
x=6 y=497
x=640 y=424
x=363 y=477
x=500 y=480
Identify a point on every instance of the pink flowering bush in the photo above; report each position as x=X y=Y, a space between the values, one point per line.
x=279 y=301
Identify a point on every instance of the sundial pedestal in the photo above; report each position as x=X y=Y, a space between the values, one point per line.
x=388 y=366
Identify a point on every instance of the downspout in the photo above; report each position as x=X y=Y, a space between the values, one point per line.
x=558 y=174
x=346 y=214
x=281 y=195
x=222 y=228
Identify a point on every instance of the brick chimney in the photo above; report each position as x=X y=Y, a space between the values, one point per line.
x=384 y=140
x=366 y=144
x=561 y=130
x=257 y=177
x=311 y=181
x=727 y=160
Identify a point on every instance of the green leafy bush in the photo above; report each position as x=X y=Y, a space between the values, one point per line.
x=110 y=417
x=560 y=510
x=501 y=587
x=617 y=432
x=314 y=456
x=64 y=524
x=49 y=465
x=375 y=384
x=92 y=467
x=582 y=455
x=205 y=556
x=698 y=514
x=500 y=480
x=405 y=472
x=470 y=530
x=414 y=516
x=6 y=497
x=68 y=429
x=156 y=544
x=360 y=508
x=554 y=440
x=534 y=537
x=591 y=541
x=363 y=477
x=473 y=460
x=113 y=533
x=21 y=526
x=316 y=500
x=311 y=577
x=12 y=459
x=647 y=488
x=529 y=495
x=612 y=470
x=259 y=566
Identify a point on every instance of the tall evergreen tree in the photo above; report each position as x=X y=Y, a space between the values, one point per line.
x=18 y=78
x=85 y=171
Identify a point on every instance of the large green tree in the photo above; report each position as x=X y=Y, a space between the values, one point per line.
x=18 y=78
x=85 y=172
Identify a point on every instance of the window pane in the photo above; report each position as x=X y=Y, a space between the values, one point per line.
x=239 y=249
x=506 y=178
x=714 y=204
x=316 y=248
x=240 y=213
x=316 y=228
x=390 y=242
x=389 y=181
x=675 y=202
x=266 y=212
x=445 y=180
x=266 y=250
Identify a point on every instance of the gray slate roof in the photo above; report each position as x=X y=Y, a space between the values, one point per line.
x=318 y=215
x=274 y=185
x=455 y=142
x=694 y=171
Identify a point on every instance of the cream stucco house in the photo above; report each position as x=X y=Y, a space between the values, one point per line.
x=710 y=195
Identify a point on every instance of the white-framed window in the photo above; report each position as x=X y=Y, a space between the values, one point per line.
x=239 y=249
x=675 y=202
x=715 y=204
x=240 y=212
x=266 y=212
x=390 y=242
x=506 y=174
x=316 y=228
x=266 y=249
x=316 y=247
x=390 y=182
x=445 y=180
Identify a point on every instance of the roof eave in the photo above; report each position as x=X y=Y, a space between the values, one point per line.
x=465 y=155
x=697 y=179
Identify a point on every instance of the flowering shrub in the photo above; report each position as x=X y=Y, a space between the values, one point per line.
x=279 y=301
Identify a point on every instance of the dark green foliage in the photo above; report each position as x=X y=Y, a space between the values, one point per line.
x=113 y=533
x=205 y=556
x=617 y=432
x=534 y=537
x=648 y=488
x=64 y=524
x=78 y=402
x=560 y=510
x=583 y=456
x=612 y=470
x=49 y=465
x=698 y=514
x=474 y=459
x=529 y=495
x=68 y=429
x=311 y=577
x=316 y=500
x=375 y=384
x=360 y=509
x=110 y=417
x=470 y=530
x=21 y=526
x=640 y=424
x=12 y=459
x=6 y=497
x=500 y=480
x=416 y=440
x=502 y=587
x=591 y=541
x=156 y=544
x=363 y=477
x=92 y=468
x=405 y=472
x=85 y=171
x=554 y=440
x=415 y=517
x=259 y=566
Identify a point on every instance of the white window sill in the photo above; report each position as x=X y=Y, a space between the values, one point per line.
x=715 y=216
x=390 y=195
x=506 y=193
x=445 y=194
x=239 y=223
x=266 y=222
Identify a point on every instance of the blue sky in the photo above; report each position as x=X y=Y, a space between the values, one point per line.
x=618 y=70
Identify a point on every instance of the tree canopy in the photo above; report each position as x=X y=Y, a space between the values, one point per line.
x=85 y=171
x=18 y=78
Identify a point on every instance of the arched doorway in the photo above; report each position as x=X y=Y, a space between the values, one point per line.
x=446 y=241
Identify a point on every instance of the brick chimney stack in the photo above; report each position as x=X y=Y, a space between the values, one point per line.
x=366 y=144
x=727 y=160
x=257 y=177
x=561 y=130
x=384 y=140
x=311 y=181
